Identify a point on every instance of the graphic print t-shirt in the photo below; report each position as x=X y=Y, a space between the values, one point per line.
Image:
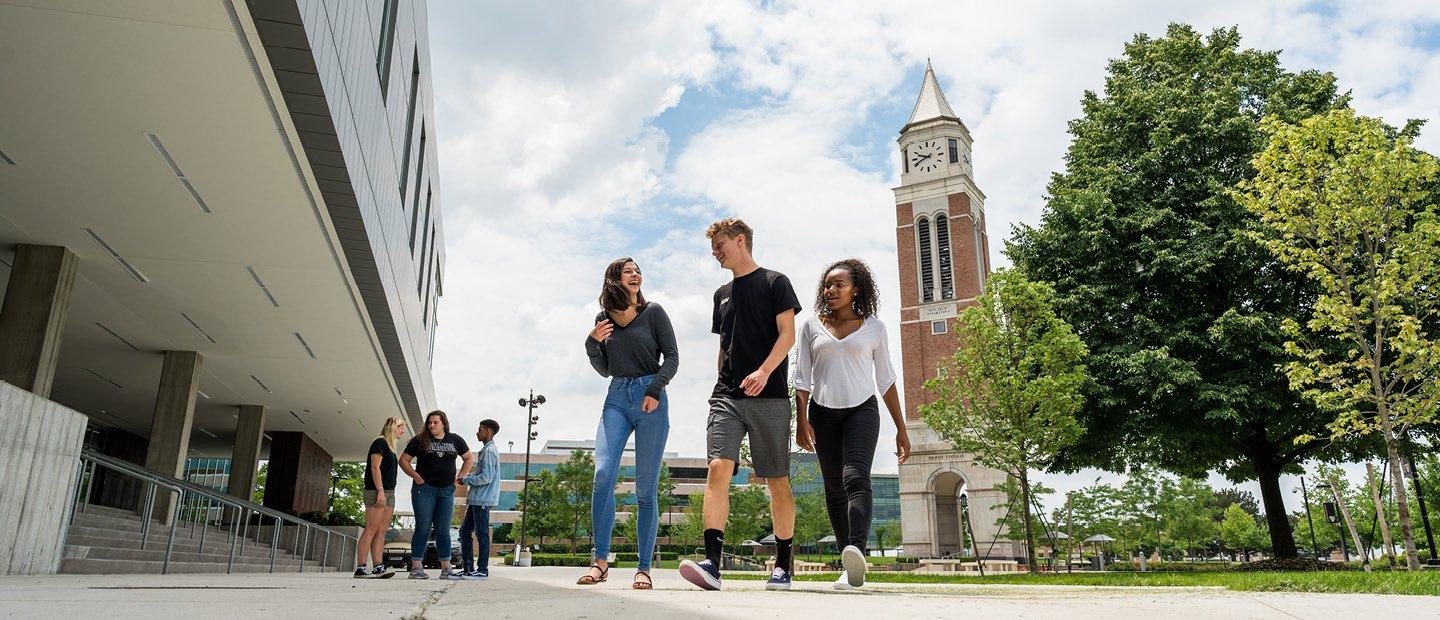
x=437 y=465
x=744 y=316
x=387 y=465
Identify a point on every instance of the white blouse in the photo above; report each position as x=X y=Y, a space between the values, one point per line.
x=837 y=371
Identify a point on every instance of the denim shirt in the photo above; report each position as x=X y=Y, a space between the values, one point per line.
x=483 y=484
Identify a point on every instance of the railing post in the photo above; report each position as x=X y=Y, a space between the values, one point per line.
x=306 y=549
x=325 y=557
x=75 y=502
x=145 y=516
x=203 y=522
x=274 y=542
x=234 y=538
x=174 y=523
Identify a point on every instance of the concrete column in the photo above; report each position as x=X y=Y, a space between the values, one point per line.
x=174 y=416
x=245 y=461
x=32 y=317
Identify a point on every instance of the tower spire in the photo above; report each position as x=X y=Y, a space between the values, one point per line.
x=931 y=103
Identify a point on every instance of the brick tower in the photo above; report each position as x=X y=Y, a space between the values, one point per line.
x=944 y=259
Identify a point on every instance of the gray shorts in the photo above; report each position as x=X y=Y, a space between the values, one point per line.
x=372 y=496
x=766 y=420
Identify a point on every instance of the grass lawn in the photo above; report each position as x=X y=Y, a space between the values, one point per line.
x=1398 y=582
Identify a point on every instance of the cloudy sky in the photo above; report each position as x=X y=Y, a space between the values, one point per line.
x=572 y=133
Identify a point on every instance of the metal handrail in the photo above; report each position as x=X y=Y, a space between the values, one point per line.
x=90 y=460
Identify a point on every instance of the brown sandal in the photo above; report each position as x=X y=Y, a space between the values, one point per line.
x=590 y=580
x=642 y=585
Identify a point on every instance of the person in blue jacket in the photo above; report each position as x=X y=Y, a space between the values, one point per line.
x=482 y=495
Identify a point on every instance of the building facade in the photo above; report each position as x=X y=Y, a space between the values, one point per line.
x=943 y=253
x=220 y=230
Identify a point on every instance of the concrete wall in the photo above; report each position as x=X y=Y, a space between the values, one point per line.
x=39 y=458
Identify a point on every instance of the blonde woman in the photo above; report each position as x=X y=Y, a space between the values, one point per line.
x=380 y=472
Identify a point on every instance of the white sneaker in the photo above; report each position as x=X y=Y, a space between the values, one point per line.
x=841 y=583
x=855 y=566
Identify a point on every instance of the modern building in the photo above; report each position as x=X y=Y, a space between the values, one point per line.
x=220 y=230
x=943 y=252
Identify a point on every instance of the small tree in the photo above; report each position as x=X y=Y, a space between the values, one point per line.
x=1350 y=204
x=885 y=530
x=749 y=514
x=692 y=528
x=1010 y=394
x=1238 y=530
x=575 y=479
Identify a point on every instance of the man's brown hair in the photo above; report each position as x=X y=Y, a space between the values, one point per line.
x=732 y=227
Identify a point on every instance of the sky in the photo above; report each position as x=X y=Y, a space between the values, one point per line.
x=573 y=133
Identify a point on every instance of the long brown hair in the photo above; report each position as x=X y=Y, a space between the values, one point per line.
x=426 y=437
x=614 y=297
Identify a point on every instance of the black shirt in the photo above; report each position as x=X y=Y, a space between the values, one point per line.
x=744 y=316
x=636 y=349
x=437 y=465
x=388 y=465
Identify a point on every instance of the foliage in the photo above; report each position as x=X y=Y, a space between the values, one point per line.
x=691 y=530
x=1351 y=205
x=812 y=520
x=1292 y=564
x=885 y=532
x=1145 y=247
x=1425 y=583
x=749 y=515
x=1238 y=530
x=347 y=500
x=1009 y=395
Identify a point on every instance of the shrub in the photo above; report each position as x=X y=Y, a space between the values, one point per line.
x=1173 y=567
x=1292 y=564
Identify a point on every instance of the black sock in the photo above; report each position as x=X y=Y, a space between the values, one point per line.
x=714 y=542
x=782 y=554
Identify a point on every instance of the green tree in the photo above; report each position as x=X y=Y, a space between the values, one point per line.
x=749 y=514
x=347 y=498
x=575 y=482
x=1145 y=247
x=1189 y=516
x=812 y=521
x=885 y=531
x=1010 y=394
x=1238 y=530
x=258 y=494
x=1348 y=203
x=692 y=527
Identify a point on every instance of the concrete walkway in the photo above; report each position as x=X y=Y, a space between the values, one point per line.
x=547 y=593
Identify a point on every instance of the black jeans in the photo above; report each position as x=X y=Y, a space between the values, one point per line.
x=845 y=444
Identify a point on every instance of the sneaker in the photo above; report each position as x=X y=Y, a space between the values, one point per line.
x=452 y=573
x=841 y=583
x=382 y=572
x=362 y=573
x=476 y=575
x=855 y=566
x=779 y=579
x=704 y=574
x=419 y=573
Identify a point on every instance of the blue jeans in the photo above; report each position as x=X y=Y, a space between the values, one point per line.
x=434 y=507
x=477 y=521
x=621 y=417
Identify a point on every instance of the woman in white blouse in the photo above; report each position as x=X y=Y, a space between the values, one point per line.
x=843 y=360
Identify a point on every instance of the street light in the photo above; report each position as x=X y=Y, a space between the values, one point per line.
x=530 y=421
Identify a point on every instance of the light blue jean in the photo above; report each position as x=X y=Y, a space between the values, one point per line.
x=621 y=417
x=434 y=508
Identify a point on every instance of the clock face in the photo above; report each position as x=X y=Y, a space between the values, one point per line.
x=927 y=156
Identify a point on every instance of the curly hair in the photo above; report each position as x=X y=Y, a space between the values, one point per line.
x=732 y=227
x=867 y=298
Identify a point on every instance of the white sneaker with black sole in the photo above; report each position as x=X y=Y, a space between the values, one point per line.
x=854 y=562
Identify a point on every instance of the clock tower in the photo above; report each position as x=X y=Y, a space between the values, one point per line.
x=944 y=254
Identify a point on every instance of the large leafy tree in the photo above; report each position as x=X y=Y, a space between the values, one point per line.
x=1010 y=394
x=1351 y=205
x=1146 y=248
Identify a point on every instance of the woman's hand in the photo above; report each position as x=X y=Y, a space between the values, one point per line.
x=602 y=330
x=649 y=404
x=419 y=479
x=380 y=498
x=902 y=445
x=804 y=435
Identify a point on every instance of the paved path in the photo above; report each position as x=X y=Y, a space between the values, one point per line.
x=547 y=593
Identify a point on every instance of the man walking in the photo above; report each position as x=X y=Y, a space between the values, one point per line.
x=754 y=314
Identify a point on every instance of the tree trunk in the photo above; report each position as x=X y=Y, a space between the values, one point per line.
x=1029 y=533
x=1282 y=539
x=1380 y=514
x=1397 y=478
x=1349 y=523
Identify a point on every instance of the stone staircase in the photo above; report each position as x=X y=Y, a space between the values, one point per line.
x=105 y=540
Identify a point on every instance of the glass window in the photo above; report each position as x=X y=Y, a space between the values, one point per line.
x=387 y=40
x=942 y=250
x=904 y=162
x=954 y=151
x=927 y=265
x=937 y=327
x=409 y=128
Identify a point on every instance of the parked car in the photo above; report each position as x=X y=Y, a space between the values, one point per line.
x=397 y=549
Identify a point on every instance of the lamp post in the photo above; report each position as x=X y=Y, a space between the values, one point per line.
x=530 y=421
x=1305 y=493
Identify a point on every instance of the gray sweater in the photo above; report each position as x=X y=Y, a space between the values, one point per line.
x=635 y=350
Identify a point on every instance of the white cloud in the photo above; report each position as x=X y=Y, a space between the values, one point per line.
x=552 y=163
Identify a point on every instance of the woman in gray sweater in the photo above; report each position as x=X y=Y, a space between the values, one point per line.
x=633 y=344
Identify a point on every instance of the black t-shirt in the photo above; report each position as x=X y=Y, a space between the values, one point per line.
x=437 y=465
x=744 y=316
x=388 y=465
